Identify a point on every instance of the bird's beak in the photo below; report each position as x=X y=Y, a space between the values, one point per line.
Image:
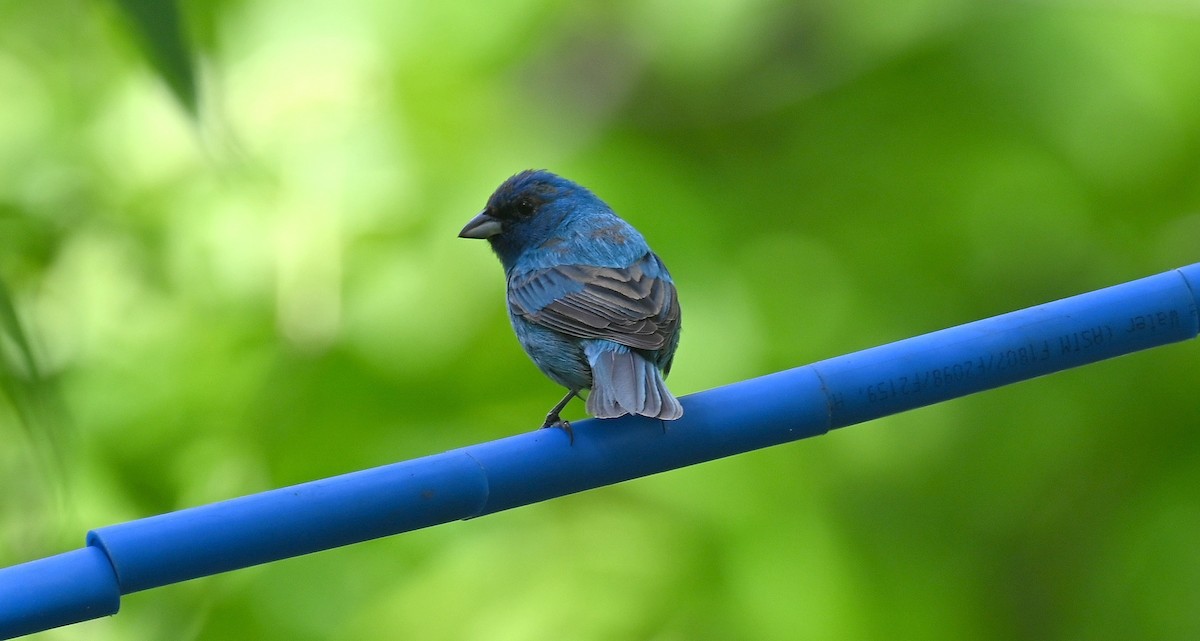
x=481 y=226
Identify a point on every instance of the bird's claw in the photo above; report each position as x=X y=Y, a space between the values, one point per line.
x=554 y=421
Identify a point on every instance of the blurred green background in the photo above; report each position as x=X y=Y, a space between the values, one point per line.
x=195 y=309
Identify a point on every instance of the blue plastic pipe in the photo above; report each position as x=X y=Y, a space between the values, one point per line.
x=530 y=467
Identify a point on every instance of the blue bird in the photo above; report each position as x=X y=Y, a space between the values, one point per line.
x=590 y=303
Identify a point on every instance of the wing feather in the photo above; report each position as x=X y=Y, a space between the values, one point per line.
x=635 y=306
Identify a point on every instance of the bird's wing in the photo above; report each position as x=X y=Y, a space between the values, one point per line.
x=635 y=306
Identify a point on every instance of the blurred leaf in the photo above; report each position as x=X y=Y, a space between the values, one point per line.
x=11 y=326
x=159 y=26
x=31 y=395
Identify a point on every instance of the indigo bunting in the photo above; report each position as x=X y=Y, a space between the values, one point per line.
x=590 y=303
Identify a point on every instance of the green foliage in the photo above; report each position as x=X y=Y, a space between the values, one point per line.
x=275 y=294
x=158 y=25
x=22 y=365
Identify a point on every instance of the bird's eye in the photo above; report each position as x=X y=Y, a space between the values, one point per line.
x=525 y=207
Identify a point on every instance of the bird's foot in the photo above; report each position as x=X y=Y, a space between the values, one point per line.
x=553 y=420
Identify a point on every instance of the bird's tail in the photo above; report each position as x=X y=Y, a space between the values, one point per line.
x=624 y=382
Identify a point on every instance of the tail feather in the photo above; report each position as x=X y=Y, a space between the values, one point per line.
x=651 y=398
x=623 y=382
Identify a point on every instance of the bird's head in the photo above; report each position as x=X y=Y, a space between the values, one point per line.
x=524 y=212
